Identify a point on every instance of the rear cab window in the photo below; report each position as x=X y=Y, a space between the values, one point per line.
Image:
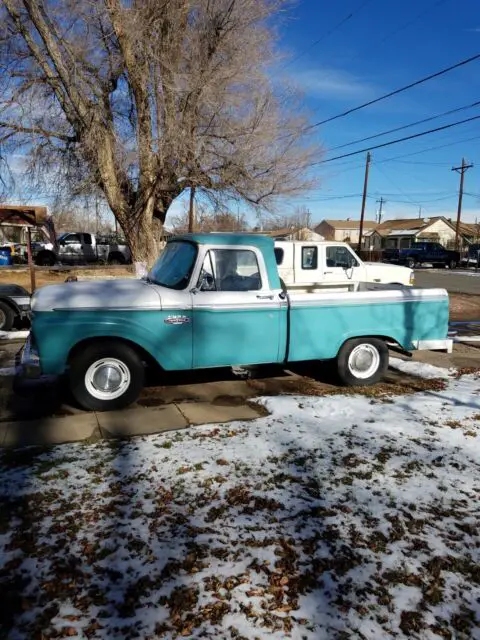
x=309 y=258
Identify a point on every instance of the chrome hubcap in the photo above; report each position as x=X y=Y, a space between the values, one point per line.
x=364 y=361
x=107 y=379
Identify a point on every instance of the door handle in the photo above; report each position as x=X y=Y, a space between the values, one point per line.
x=326 y=272
x=270 y=297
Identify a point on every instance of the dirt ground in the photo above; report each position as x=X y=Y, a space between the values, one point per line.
x=464 y=306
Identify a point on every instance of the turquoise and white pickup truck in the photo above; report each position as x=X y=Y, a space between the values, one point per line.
x=216 y=300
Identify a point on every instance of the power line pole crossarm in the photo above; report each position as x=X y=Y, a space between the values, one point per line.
x=461 y=170
x=364 y=200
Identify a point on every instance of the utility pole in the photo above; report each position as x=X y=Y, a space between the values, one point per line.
x=191 y=212
x=381 y=202
x=461 y=170
x=364 y=200
x=420 y=211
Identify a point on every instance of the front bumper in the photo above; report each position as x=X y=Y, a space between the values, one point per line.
x=28 y=361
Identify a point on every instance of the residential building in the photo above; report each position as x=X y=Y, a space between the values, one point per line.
x=402 y=233
x=295 y=234
x=343 y=230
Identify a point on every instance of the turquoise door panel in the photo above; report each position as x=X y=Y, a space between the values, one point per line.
x=317 y=331
x=224 y=335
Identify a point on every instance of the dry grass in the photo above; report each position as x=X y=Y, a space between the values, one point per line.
x=51 y=276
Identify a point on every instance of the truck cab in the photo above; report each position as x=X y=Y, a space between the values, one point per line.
x=333 y=266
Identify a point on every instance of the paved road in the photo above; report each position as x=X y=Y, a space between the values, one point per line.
x=453 y=281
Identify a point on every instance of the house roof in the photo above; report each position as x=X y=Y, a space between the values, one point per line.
x=407 y=224
x=349 y=224
x=470 y=229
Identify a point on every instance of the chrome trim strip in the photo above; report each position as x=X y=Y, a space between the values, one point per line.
x=106 y=309
x=351 y=301
x=433 y=345
x=237 y=306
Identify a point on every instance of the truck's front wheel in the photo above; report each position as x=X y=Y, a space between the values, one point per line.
x=106 y=377
x=362 y=361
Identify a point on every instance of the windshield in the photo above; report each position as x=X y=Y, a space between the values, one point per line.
x=174 y=266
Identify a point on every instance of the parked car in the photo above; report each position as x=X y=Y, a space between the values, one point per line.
x=423 y=253
x=216 y=300
x=333 y=265
x=14 y=305
x=472 y=259
x=78 y=248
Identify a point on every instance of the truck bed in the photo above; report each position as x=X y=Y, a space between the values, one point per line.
x=320 y=322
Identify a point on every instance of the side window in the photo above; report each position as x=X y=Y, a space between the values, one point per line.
x=87 y=238
x=72 y=238
x=279 y=254
x=340 y=257
x=230 y=270
x=309 y=258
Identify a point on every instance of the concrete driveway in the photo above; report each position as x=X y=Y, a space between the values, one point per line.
x=458 y=281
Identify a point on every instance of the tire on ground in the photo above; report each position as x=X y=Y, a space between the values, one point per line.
x=94 y=353
x=349 y=361
x=45 y=259
x=7 y=316
x=116 y=258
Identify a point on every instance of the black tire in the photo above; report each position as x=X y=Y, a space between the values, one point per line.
x=411 y=263
x=81 y=363
x=7 y=316
x=45 y=259
x=452 y=264
x=346 y=368
x=116 y=258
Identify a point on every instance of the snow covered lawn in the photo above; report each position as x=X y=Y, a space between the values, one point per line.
x=335 y=517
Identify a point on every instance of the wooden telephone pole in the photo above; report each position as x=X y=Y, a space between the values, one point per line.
x=364 y=200
x=461 y=170
x=381 y=202
x=191 y=210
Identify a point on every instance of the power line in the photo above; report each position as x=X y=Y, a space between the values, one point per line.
x=393 y=33
x=327 y=34
x=387 y=144
x=416 y=153
x=395 y=92
x=407 y=126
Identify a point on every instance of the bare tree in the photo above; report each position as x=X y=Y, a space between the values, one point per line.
x=147 y=98
x=208 y=219
x=301 y=218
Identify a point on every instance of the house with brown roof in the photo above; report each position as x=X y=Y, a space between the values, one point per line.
x=343 y=230
x=402 y=233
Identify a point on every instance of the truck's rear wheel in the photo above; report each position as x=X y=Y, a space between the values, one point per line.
x=411 y=263
x=106 y=377
x=362 y=361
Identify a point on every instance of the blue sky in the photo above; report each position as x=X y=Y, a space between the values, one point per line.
x=383 y=46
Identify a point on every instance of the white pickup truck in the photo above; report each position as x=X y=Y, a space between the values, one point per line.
x=333 y=266
x=80 y=248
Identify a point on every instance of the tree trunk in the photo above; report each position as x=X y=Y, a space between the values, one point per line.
x=142 y=231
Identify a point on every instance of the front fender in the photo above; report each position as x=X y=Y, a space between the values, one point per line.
x=57 y=333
